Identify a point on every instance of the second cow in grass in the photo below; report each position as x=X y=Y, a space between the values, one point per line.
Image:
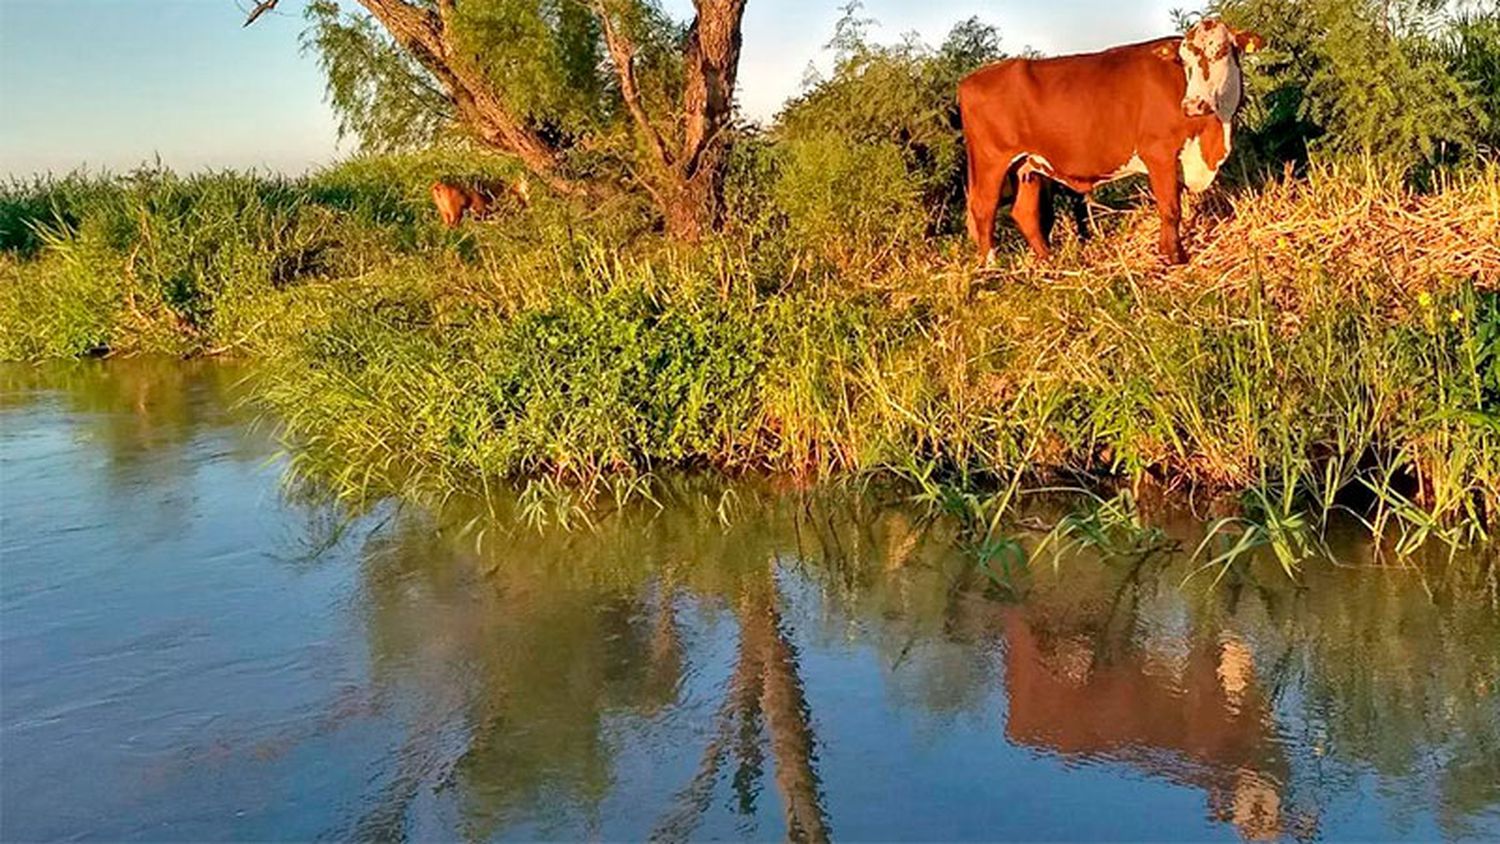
x=453 y=201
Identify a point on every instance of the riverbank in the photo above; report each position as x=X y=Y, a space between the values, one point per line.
x=1333 y=342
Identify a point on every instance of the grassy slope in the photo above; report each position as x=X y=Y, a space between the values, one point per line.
x=1331 y=336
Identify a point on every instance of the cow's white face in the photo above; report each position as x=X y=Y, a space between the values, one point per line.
x=1210 y=55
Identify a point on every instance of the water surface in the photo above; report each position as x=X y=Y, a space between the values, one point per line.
x=190 y=651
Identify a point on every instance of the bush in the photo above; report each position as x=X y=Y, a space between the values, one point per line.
x=846 y=202
x=30 y=211
x=59 y=310
x=144 y=262
x=1395 y=81
x=393 y=190
x=1471 y=47
x=156 y=261
x=902 y=96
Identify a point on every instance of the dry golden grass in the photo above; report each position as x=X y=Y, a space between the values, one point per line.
x=1335 y=222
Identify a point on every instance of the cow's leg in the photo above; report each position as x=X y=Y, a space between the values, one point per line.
x=986 y=177
x=1027 y=212
x=1167 y=189
x=1077 y=208
x=1079 y=203
x=1047 y=200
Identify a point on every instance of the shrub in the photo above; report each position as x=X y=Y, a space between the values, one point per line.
x=1471 y=48
x=849 y=203
x=901 y=96
x=33 y=212
x=1391 y=80
x=60 y=310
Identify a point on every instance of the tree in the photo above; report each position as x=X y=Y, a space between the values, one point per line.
x=1471 y=47
x=587 y=94
x=1363 y=77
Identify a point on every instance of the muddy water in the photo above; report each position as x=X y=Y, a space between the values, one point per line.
x=189 y=650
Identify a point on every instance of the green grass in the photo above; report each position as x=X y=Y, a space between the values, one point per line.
x=574 y=349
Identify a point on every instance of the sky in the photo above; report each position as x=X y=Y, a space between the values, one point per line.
x=110 y=84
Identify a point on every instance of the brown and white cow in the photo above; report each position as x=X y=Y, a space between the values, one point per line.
x=1163 y=108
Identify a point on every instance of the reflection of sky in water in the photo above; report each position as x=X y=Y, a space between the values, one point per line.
x=189 y=653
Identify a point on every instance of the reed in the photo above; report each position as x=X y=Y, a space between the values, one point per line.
x=1332 y=348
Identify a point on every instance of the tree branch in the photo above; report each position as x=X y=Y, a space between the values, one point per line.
x=426 y=35
x=260 y=9
x=685 y=153
x=622 y=54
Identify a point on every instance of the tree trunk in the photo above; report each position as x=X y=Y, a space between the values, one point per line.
x=693 y=206
x=686 y=178
x=694 y=201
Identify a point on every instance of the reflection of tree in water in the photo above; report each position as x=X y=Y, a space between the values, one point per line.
x=526 y=663
x=558 y=640
x=897 y=580
x=1395 y=672
x=133 y=409
x=1204 y=686
x=564 y=632
x=764 y=693
x=530 y=654
x=506 y=667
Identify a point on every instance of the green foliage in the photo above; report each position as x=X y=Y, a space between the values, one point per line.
x=154 y=261
x=1471 y=47
x=847 y=203
x=545 y=59
x=620 y=379
x=1111 y=527
x=145 y=260
x=1397 y=81
x=899 y=96
x=56 y=311
x=393 y=191
x=380 y=94
x=29 y=211
x=1485 y=342
x=575 y=346
x=544 y=56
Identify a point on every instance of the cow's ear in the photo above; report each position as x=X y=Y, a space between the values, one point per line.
x=1167 y=51
x=1247 y=41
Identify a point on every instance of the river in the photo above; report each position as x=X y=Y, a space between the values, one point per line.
x=190 y=648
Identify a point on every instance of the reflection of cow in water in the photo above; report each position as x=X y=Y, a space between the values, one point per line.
x=1201 y=721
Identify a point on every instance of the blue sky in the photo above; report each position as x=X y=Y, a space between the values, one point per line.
x=112 y=83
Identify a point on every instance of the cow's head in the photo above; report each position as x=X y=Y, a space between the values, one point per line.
x=1210 y=54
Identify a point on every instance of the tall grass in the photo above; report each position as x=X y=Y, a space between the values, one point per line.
x=1271 y=383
